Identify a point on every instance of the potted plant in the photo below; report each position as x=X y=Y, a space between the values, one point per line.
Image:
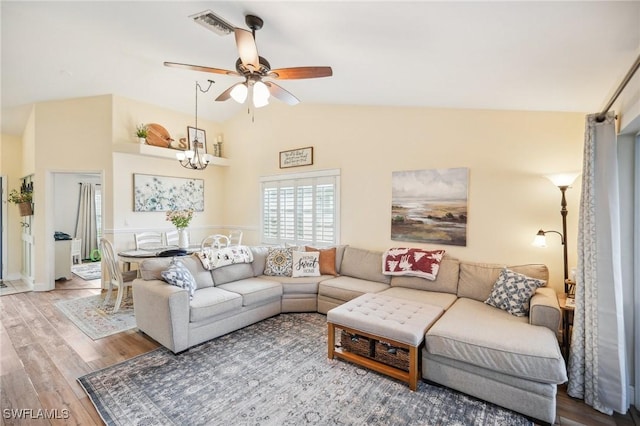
x=23 y=200
x=142 y=132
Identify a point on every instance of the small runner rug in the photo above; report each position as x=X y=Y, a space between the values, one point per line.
x=95 y=321
x=275 y=372
x=88 y=271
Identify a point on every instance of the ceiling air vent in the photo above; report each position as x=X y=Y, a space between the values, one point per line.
x=213 y=22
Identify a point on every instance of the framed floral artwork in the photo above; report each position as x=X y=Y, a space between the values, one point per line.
x=153 y=193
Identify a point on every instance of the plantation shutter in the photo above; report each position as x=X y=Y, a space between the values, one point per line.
x=301 y=209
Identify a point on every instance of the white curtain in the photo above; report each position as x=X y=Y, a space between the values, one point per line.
x=597 y=360
x=86 y=227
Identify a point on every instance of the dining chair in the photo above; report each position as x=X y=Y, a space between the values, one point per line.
x=76 y=251
x=215 y=241
x=148 y=240
x=235 y=238
x=171 y=238
x=115 y=276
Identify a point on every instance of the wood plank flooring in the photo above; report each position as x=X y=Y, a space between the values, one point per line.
x=42 y=354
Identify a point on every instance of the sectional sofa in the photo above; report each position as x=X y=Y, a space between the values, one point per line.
x=475 y=348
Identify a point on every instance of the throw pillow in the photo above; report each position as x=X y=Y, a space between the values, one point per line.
x=306 y=264
x=279 y=262
x=327 y=260
x=177 y=274
x=413 y=262
x=512 y=292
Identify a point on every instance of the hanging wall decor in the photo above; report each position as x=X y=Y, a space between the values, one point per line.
x=430 y=206
x=161 y=193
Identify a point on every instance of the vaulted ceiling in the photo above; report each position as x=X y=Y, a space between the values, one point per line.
x=552 y=56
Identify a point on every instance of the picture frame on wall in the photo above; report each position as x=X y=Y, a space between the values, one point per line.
x=197 y=139
x=296 y=157
x=152 y=193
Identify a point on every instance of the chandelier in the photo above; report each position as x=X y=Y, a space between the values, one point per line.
x=196 y=157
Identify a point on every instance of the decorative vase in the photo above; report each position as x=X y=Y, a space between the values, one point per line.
x=142 y=140
x=183 y=238
x=26 y=209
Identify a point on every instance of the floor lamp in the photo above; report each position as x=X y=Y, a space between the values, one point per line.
x=563 y=181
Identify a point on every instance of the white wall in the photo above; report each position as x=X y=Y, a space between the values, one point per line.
x=67 y=190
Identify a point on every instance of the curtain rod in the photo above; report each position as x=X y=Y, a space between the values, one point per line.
x=600 y=117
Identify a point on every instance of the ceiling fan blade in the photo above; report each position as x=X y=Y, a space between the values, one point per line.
x=300 y=72
x=247 y=48
x=280 y=93
x=200 y=68
x=226 y=95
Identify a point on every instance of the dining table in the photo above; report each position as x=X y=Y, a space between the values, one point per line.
x=127 y=257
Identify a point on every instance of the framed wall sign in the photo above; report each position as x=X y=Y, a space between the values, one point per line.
x=296 y=157
x=197 y=140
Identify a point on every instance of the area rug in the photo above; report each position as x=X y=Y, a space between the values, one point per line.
x=275 y=372
x=88 y=271
x=95 y=321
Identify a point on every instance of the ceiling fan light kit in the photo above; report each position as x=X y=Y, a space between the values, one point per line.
x=252 y=67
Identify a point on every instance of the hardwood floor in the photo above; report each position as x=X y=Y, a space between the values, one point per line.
x=42 y=353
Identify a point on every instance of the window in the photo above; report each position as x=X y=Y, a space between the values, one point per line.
x=301 y=208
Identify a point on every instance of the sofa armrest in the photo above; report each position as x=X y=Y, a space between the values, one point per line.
x=162 y=312
x=545 y=310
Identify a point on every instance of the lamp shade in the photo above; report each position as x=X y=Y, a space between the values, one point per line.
x=239 y=93
x=563 y=179
x=260 y=94
x=540 y=239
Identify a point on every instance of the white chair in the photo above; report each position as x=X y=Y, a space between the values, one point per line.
x=115 y=277
x=76 y=251
x=148 y=240
x=235 y=238
x=215 y=241
x=171 y=238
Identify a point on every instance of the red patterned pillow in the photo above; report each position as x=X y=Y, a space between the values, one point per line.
x=412 y=261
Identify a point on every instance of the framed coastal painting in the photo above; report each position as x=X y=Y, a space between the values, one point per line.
x=153 y=193
x=430 y=206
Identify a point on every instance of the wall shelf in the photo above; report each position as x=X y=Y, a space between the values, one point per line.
x=159 y=152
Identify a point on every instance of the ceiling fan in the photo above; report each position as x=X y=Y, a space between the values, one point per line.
x=256 y=70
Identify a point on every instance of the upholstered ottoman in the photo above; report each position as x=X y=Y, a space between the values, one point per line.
x=399 y=323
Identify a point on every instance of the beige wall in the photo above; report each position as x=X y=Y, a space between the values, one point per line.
x=507 y=153
x=11 y=168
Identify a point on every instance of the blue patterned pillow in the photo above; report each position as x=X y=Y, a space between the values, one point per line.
x=177 y=274
x=279 y=262
x=512 y=292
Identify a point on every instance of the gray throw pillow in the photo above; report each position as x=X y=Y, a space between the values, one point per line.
x=177 y=274
x=512 y=292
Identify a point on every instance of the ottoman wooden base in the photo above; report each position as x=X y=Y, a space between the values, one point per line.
x=383 y=319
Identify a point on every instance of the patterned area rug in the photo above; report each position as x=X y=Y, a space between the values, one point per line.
x=88 y=271
x=95 y=321
x=275 y=372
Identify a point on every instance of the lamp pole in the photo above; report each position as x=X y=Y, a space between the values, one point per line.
x=563 y=212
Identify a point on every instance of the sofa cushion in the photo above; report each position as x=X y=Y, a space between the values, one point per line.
x=477 y=279
x=327 y=260
x=446 y=281
x=178 y=275
x=306 y=264
x=151 y=269
x=347 y=288
x=213 y=301
x=230 y=273
x=479 y=334
x=259 y=259
x=301 y=285
x=279 y=262
x=442 y=300
x=512 y=292
x=255 y=291
x=363 y=264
